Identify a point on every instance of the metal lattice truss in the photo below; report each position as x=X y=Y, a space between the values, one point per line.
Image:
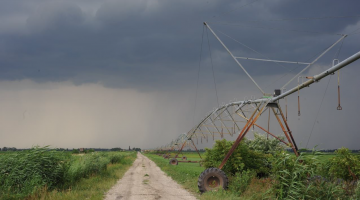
x=238 y=117
x=231 y=119
x=181 y=142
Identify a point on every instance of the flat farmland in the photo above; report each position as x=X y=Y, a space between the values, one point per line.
x=42 y=173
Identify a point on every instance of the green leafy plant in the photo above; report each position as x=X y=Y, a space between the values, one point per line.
x=357 y=191
x=240 y=181
x=262 y=144
x=296 y=178
x=26 y=172
x=243 y=158
x=345 y=165
x=289 y=176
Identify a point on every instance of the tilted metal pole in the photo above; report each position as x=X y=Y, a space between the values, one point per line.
x=207 y=25
x=318 y=77
x=246 y=128
x=314 y=79
x=328 y=49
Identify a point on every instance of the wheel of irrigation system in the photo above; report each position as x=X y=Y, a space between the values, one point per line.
x=173 y=161
x=212 y=179
x=184 y=158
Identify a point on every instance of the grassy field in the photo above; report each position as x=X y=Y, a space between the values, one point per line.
x=92 y=188
x=43 y=173
x=187 y=175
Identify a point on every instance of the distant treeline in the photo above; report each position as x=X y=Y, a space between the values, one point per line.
x=76 y=150
x=323 y=150
x=289 y=150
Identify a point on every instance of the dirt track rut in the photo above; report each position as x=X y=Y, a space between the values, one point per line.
x=145 y=180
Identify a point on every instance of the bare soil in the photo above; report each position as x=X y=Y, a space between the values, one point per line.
x=145 y=181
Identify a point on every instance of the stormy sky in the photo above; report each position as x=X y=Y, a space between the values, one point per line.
x=119 y=73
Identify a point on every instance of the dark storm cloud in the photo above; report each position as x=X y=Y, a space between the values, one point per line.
x=151 y=44
x=111 y=50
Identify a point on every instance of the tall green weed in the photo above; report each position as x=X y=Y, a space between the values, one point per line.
x=240 y=181
x=295 y=178
x=26 y=172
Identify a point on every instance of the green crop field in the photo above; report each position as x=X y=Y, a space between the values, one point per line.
x=50 y=174
x=187 y=175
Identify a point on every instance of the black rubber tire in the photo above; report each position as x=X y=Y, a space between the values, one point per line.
x=166 y=157
x=173 y=161
x=212 y=179
x=184 y=158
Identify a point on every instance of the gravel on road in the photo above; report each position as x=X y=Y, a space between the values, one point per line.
x=145 y=180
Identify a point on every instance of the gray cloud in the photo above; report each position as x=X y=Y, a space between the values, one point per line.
x=154 y=46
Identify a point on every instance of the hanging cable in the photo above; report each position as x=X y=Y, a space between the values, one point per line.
x=276 y=28
x=298 y=66
x=250 y=49
x=354 y=32
x=317 y=114
x=198 y=74
x=300 y=19
x=286 y=108
x=212 y=68
x=267 y=136
x=322 y=100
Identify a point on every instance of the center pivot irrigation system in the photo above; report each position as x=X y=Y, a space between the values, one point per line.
x=238 y=117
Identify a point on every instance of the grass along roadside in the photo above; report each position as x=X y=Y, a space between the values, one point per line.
x=80 y=177
x=187 y=174
x=93 y=187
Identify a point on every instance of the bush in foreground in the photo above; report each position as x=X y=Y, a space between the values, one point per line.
x=25 y=173
x=295 y=178
x=345 y=165
x=243 y=158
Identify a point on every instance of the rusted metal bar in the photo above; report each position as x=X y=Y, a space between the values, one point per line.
x=272 y=135
x=288 y=128
x=180 y=149
x=285 y=132
x=215 y=132
x=241 y=135
x=232 y=118
x=196 y=148
x=286 y=108
x=265 y=130
x=188 y=161
x=213 y=124
x=339 y=106
x=224 y=125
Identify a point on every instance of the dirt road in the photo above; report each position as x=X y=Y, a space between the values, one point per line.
x=145 y=181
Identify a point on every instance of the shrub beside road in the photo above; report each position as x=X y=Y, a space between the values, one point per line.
x=262 y=169
x=50 y=174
